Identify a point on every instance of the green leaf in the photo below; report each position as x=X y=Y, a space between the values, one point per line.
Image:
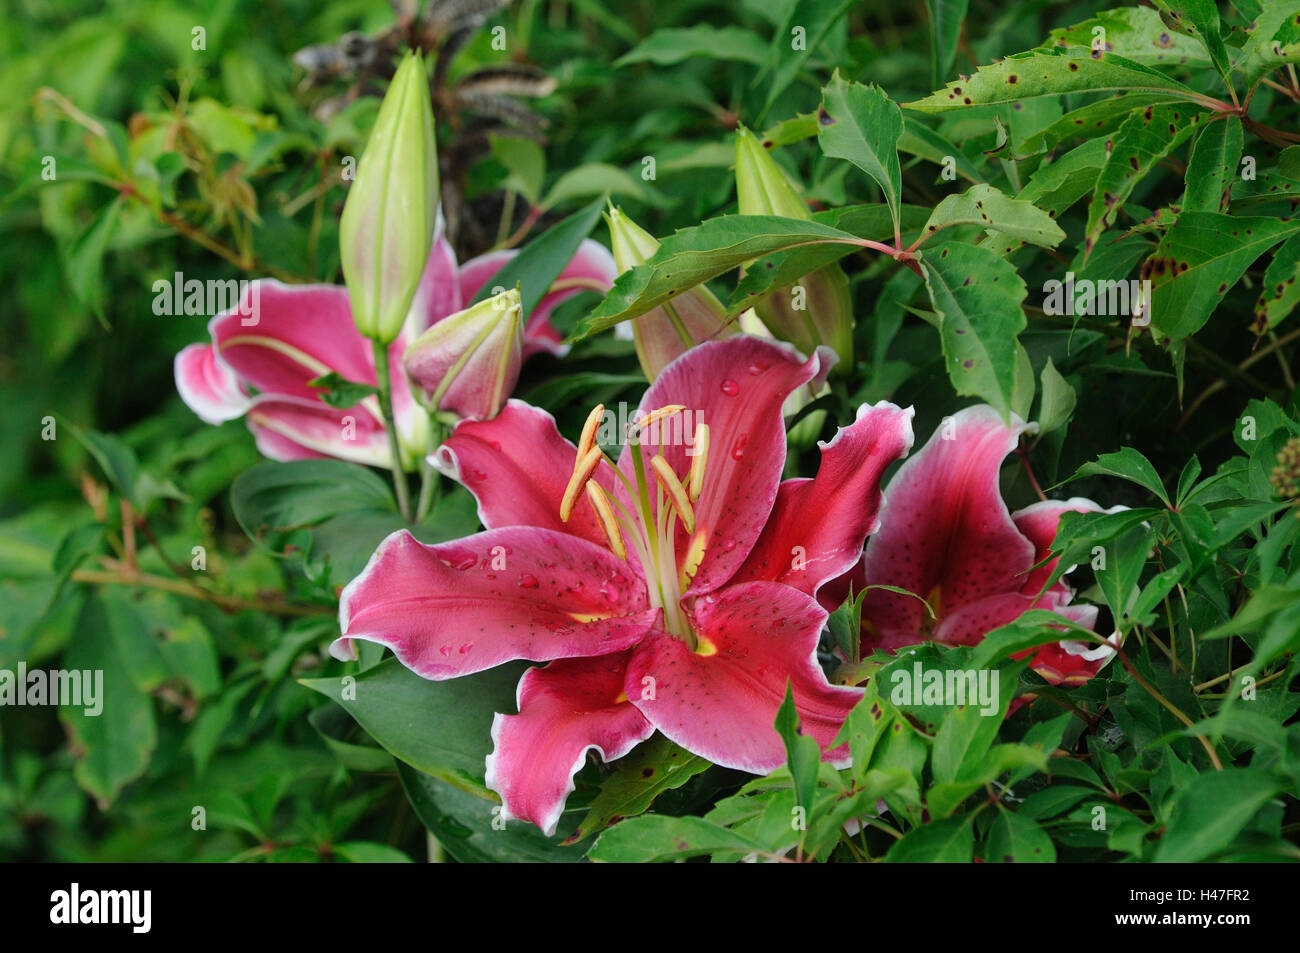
x=950 y=841
x=1198 y=19
x=368 y=852
x=338 y=391
x=1050 y=73
x=1138 y=34
x=120 y=465
x=946 y=18
x=665 y=47
x=862 y=124
x=783 y=268
x=114 y=745
x=813 y=19
x=919 y=139
x=84 y=259
x=697 y=254
x=1096 y=120
x=1198 y=260
x=653 y=767
x=1127 y=464
x=542 y=260
x=654 y=839
x=1146 y=137
x=274 y=498
x=978 y=293
x=1272 y=41
x=601 y=179
x=470 y=829
x=1212 y=167
x=803 y=756
x=964 y=737
x=441 y=728
x=525 y=164
x=1057 y=402
x=1211 y=811
x=1280 y=292
x=1017 y=839
x=1057 y=185
x=989 y=208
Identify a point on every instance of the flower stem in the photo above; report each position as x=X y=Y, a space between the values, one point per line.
x=390 y=425
x=428 y=479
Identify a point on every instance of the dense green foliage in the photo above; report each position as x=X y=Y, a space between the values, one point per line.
x=934 y=143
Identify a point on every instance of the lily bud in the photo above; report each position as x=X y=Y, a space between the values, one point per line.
x=468 y=363
x=388 y=221
x=761 y=187
x=817 y=309
x=665 y=333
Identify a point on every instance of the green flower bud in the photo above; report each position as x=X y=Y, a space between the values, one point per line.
x=388 y=221
x=761 y=187
x=817 y=309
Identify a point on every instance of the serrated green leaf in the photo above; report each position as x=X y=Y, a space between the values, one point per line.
x=1145 y=138
x=987 y=207
x=863 y=125
x=1212 y=166
x=979 y=294
x=1050 y=73
x=1199 y=260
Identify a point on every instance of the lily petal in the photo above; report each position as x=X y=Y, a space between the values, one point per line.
x=289 y=428
x=438 y=294
x=721 y=702
x=295 y=333
x=464 y=606
x=946 y=534
x=818 y=526
x=517 y=466
x=208 y=386
x=737 y=387
x=566 y=709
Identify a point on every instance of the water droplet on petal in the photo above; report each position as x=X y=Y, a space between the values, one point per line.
x=730 y=387
x=460 y=559
x=758 y=367
x=527 y=581
x=738 y=448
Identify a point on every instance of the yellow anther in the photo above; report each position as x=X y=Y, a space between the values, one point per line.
x=582 y=471
x=656 y=415
x=605 y=513
x=588 y=439
x=676 y=492
x=694 y=556
x=696 y=477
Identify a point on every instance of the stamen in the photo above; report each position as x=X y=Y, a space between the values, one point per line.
x=582 y=471
x=696 y=477
x=588 y=439
x=656 y=415
x=605 y=513
x=673 y=487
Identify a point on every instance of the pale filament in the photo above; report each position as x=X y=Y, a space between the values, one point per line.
x=651 y=532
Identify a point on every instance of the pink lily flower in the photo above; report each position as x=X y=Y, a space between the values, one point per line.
x=265 y=351
x=948 y=536
x=679 y=595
